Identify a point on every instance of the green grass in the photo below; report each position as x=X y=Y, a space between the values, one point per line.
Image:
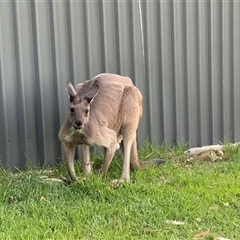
x=177 y=200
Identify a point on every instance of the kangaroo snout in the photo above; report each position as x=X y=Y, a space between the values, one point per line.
x=78 y=124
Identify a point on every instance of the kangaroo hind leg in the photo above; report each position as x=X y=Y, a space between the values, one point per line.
x=134 y=161
x=127 y=145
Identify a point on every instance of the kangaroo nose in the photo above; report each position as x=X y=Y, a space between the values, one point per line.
x=78 y=123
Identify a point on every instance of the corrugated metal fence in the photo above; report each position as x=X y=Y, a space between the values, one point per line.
x=183 y=55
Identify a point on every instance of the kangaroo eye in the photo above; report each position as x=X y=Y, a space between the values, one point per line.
x=72 y=109
x=86 y=111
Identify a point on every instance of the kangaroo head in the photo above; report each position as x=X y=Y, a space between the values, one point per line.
x=79 y=106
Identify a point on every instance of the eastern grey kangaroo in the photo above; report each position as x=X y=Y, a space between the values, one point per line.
x=103 y=111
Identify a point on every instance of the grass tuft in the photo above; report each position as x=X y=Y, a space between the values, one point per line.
x=71 y=131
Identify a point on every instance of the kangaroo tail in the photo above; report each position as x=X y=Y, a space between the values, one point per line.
x=155 y=162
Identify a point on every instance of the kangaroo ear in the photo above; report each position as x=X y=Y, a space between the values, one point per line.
x=71 y=91
x=91 y=94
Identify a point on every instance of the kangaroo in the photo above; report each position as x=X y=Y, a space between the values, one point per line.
x=103 y=111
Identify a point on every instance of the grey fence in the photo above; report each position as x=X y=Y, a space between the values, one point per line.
x=183 y=55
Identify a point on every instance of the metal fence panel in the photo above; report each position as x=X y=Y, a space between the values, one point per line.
x=183 y=55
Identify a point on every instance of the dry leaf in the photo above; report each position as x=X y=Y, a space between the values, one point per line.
x=11 y=198
x=222 y=238
x=53 y=180
x=198 y=219
x=201 y=234
x=44 y=199
x=215 y=207
x=175 y=222
x=226 y=204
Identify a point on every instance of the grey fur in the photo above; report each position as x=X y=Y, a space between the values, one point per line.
x=104 y=111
